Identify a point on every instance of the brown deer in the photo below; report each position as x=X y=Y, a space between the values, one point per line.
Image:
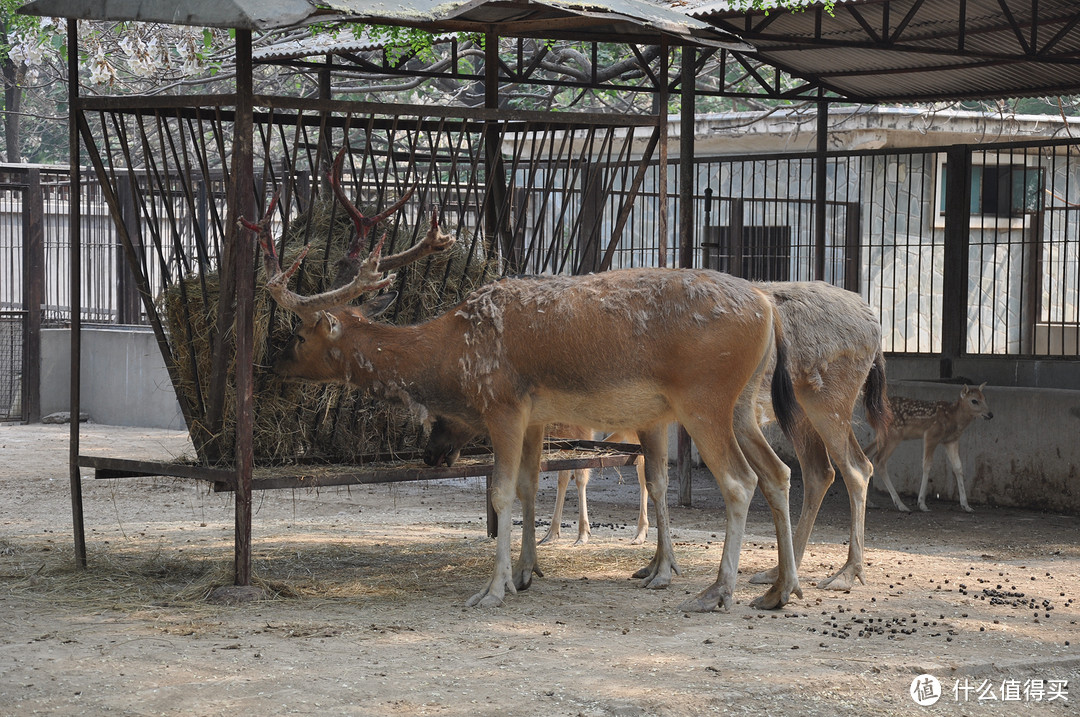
x=937 y=423
x=835 y=354
x=518 y=354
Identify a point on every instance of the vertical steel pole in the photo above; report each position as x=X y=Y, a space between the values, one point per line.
x=686 y=233
x=244 y=205
x=33 y=290
x=820 y=186
x=491 y=155
x=662 y=110
x=954 y=299
x=75 y=244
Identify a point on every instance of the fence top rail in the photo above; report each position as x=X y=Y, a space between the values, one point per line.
x=840 y=153
x=340 y=109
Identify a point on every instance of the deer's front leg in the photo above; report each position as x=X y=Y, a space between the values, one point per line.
x=528 y=480
x=506 y=441
x=952 y=452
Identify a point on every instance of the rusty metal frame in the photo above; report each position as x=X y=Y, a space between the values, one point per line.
x=244 y=109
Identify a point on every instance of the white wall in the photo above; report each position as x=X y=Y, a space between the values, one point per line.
x=124 y=381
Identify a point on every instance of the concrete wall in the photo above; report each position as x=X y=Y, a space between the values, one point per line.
x=124 y=381
x=1027 y=456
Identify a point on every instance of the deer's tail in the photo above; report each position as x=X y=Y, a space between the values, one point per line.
x=782 y=390
x=876 y=399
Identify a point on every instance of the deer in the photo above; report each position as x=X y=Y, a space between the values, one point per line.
x=835 y=355
x=516 y=355
x=936 y=423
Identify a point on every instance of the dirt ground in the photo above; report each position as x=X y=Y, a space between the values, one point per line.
x=365 y=611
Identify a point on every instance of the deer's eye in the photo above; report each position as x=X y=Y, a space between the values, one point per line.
x=300 y=339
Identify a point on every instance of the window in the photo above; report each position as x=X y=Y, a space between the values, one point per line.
x=1004 y=191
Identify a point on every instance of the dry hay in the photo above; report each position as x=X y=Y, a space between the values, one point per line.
x=142 y=574
x=304 y=422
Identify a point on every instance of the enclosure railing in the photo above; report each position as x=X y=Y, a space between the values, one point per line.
x=885 y=223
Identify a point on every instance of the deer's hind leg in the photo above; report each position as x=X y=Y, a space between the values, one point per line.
x=817 y=476
x=929 y=446
x=657 y=574
x=556 y=516
x=774 y=480
x=721 y=453
x=643 y=491
x=584 y=530
x=879 y=455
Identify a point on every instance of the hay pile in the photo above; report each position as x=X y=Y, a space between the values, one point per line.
x=297 y=422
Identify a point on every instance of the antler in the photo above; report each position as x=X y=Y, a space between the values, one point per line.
x=433 y=242
x=368 y=277
x=369 y=274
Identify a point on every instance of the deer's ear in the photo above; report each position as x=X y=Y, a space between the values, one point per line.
x=333 y=326
x=374 y=307
x=982 y=385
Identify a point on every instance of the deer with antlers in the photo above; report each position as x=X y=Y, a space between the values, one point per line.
x=516 y=355
x=835 y=356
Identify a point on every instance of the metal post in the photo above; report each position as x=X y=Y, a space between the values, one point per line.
x=33 y=291
x=662 y=111
x=954 y=306
x=129 y=301
x=820 y=187
x=491 y=155
x=74 y=235
x=244 y=205
x=686 y=234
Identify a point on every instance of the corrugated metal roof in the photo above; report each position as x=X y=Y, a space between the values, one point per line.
x=639 y=21
x=907 y=50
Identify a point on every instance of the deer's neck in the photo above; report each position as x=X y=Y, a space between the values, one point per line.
x=961 y=416
x=418 y=366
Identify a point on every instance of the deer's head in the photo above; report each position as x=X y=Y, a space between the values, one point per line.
x=447 y=439
x=320 y=348
x=974 y=402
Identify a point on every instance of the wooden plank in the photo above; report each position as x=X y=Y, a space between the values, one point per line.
x=105 y=467
x=371 y=472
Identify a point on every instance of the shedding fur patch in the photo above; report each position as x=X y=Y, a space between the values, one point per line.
x=821 y=324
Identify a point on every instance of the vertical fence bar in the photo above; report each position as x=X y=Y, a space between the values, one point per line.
x=34 y=288
x=244 y=205
x=820 y=187
x=74 y=229
x=955 y=281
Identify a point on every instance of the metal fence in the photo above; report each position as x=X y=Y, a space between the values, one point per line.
x=1019 y=273
x=753 y=215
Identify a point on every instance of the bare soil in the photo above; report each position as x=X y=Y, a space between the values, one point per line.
x=365 y=588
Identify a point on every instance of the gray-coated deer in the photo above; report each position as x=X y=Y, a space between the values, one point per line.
x=936 y=423
x=516 y=355
x=834 y=355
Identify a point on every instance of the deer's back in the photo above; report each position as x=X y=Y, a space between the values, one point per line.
x=620 y=338
x=913 y=417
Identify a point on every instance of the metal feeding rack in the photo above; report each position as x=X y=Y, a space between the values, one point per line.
x=558 y=455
